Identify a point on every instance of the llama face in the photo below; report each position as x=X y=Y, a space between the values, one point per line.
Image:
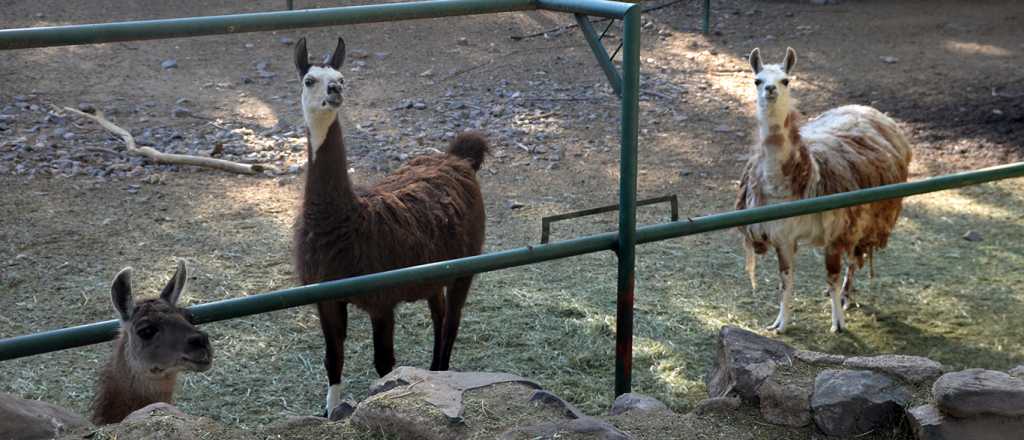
x=322 y=87
x=159 y=337
x=772 y=80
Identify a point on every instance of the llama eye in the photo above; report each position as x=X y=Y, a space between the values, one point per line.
x=310 y=82
x=785 y=82
x=146 y=332
x=758 y=82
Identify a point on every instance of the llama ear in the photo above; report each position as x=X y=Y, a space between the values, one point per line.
x=172 y=291
x=301 y=57
x=755 y=60
x=790 y=60
x=121 y=294
x=338 y=57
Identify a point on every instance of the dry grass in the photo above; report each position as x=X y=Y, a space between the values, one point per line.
x=935 y=295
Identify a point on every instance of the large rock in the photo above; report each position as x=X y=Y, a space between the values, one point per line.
x=745 y=359
x=817 y=358
x=635 y=402
x=717 y=405
x=785 y=402
x=165 y=422
x=849 y=403
x=419 y=404
x=976 y=391
x=928 y=423
x=913 y=369
x=33 y=419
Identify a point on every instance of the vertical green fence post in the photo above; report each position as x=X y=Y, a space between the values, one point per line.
x=707 y=16
x=626 y=249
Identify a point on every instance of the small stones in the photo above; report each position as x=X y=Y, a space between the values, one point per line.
x=635 y=402
x=889 y=59
x=287 y=41
x=86 y=107
x=972 y=236
x=419 y=105
x=717 y=405
x=169 y=64
x=181 y=112
x=427 y=73
x=358 y=54
x=462 y=41
x=513 y=204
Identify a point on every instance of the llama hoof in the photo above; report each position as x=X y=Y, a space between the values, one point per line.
x=838 y=329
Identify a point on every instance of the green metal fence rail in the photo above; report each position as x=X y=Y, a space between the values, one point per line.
x=623 y=242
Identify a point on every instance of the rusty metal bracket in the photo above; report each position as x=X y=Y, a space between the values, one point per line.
x=546 y=222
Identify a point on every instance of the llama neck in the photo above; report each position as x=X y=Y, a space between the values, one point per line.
x=785 y=163
x=328 y=185
x=123 y=389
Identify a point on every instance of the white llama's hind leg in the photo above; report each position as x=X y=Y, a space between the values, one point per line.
x=786 y=257
x=751 y=264
x=847 y=297
x=833 y=263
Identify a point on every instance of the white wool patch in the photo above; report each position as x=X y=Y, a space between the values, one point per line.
x=318 y=114
x=333 y=397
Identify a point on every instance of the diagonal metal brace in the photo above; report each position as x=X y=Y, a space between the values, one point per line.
x=614 y=78
x=545 y=233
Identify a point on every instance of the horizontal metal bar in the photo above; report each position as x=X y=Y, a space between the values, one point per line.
x=547 y=221
x=825 y=203
x=252 y=22
x=54 y=340
x=599 y=8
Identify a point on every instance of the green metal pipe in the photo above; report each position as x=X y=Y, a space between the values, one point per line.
x=54 y=340
x=253 y=22
x=600 y=53
x=599 y=8
x=626 y=248
x=707 y=17
x=819 y=204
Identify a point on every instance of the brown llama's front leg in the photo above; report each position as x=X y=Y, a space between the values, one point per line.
x=383 y=323
x=833 y=264
x=847 y=296
x=436 y=303
x=334 y=324
x=456 y=298
x=787 y=254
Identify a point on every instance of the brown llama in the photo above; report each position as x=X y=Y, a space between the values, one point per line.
x=429 y=210
x=156 y=342
x=844 y=149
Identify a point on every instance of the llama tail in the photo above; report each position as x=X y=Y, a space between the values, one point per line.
x=471 y=146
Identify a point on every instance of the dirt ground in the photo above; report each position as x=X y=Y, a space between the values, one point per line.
x=71 y=217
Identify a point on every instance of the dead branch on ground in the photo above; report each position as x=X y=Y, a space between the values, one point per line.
x=171 y=158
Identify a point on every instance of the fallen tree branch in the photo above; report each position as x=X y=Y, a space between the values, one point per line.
x=170 y=158
x=560 y=29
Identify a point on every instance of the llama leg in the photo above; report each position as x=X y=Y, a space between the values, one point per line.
x=456 y=298
x=847 y=296
x=334 y=324
x=833 y=263
x=786 y=254
x=748 y=247
x=384 y=341
x=436 y=303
